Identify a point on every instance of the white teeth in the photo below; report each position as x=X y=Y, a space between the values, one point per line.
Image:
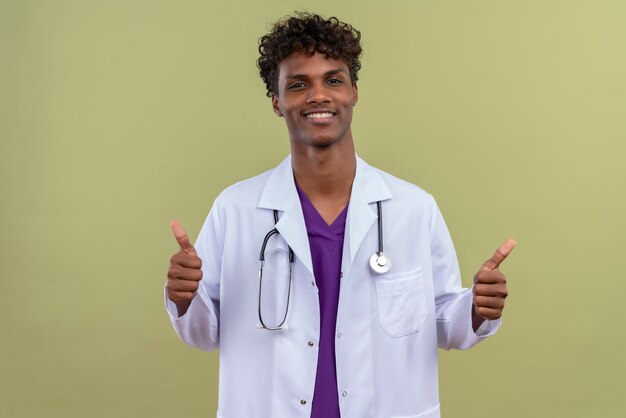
x=319 y=115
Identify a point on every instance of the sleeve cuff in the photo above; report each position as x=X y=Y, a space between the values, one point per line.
x=172 y=309
x=488 y=328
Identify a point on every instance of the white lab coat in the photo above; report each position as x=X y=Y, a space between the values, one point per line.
x=388 y=326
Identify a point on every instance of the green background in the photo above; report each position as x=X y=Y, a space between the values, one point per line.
x=117 y=116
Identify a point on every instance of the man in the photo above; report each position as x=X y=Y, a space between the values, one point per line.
x=332 y=330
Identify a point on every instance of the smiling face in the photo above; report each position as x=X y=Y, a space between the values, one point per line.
x=316 y=97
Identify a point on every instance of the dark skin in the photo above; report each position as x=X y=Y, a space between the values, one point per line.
x=322 y=149
x=490 y=288
x=315 y=97
x=184 y=274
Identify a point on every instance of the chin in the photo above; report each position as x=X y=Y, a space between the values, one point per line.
x=323 y=142
x=321 y=139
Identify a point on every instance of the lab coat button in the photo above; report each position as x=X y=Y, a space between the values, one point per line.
x=344 y=393
x=310 y=343
x=341 y=275
x=313 y=284
x=302 y=402
x=339 y=335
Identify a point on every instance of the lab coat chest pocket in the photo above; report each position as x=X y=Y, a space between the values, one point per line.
x=401 y=302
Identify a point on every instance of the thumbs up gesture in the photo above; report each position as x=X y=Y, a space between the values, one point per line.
x=490 y=287
x=184 y=274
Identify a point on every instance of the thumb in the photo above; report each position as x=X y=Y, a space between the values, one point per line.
x=181 y=236
x=499 y=256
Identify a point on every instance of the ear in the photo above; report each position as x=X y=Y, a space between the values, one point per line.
x=355 y=90
x=276 y=106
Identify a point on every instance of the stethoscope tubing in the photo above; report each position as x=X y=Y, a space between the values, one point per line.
x=379 y=263
x=261 y=264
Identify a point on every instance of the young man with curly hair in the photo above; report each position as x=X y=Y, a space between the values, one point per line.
x=330 y=326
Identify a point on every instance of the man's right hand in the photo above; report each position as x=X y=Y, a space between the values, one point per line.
x=184 y=274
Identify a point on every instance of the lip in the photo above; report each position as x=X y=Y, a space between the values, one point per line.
x=323 y=121
x=318 y=110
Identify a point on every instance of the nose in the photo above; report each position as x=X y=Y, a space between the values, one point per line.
x=318 y=94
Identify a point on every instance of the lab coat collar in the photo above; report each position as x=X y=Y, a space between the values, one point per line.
x=368 y=187
x=280 y=193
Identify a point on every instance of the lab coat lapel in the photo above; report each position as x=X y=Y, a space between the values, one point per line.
x=368 y=187
x=280 y=193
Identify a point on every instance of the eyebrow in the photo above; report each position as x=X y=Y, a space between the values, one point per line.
x=327 y=73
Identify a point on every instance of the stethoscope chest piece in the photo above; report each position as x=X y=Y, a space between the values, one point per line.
x=380 y=263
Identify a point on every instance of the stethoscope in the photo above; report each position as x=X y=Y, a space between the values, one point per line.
x=379 y=263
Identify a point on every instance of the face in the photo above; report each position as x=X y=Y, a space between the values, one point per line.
x=316 y=97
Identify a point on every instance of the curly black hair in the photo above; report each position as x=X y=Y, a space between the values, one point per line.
x=308 y=33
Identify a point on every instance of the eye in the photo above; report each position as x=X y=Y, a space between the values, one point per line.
x=335 y=81
x=296 y=85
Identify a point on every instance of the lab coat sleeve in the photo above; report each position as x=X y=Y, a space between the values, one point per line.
x=199 y=326
x=453 y=303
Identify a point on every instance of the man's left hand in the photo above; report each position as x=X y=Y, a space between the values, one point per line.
x=490 y=289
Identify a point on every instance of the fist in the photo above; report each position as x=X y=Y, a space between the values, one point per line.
x=490 y=289
x=184 y=274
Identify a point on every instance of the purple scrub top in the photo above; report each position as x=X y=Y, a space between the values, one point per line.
x=326 y=242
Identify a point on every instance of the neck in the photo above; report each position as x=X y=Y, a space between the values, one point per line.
x=325 y=175
x=325 y=172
